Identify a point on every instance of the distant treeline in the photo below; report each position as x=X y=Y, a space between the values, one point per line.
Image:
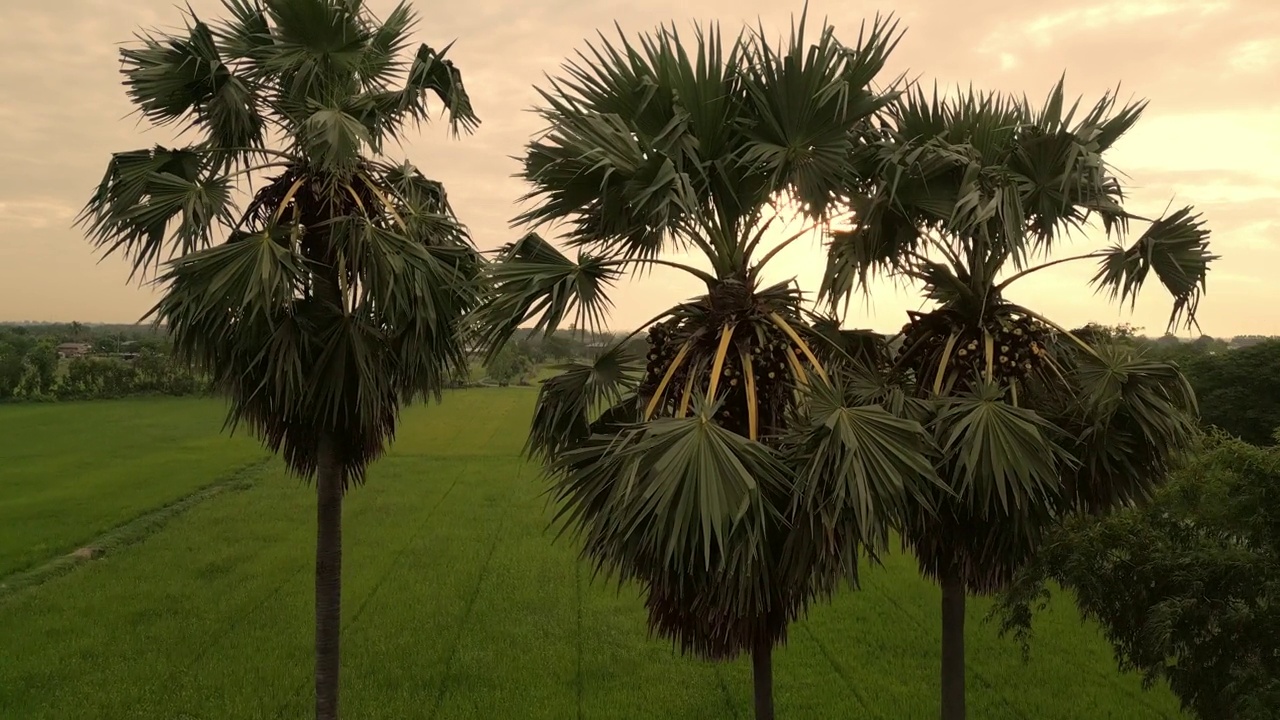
x=517 y=361
x=1237 y=380
x=40 y=363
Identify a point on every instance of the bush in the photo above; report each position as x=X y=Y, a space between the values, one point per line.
x=1184 y=587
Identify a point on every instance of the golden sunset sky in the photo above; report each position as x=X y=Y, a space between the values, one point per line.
x=1210 y=137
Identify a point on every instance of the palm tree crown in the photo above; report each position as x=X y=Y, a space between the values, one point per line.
x=335 y=292
x=970 y=193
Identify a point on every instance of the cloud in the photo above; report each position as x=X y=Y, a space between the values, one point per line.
x=1169 y=51
x=34 y=214
x=1256 y=56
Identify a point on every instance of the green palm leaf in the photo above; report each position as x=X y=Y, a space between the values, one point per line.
x=533 y=279
x=174 y=79
x=859 y=465
x=1176 y=249
x=672 y=493
x=154 y=204
x=432 y=72
x=999 y=453
x=809 y=103
x=1135 y=416
x=568 y=401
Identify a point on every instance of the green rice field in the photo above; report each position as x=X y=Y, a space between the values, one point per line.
x=457 y=603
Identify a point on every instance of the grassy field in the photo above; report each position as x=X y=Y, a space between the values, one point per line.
x=457 y=604
x=72 y=471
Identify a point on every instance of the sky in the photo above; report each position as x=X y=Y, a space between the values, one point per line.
x=1210 y=136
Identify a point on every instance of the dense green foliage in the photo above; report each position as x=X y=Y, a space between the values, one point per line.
x=124 y=361
x=28 y=364
x=1238 y=389
x=513 y=363
x=1184 y=586
x=457 y=605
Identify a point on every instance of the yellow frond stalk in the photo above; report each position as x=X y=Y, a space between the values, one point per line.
x=942 y=365
x=753 y=408
x=804 y=347
x=666 y=380
x=726 y=337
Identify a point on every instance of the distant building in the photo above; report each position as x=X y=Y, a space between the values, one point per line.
x=73 y=350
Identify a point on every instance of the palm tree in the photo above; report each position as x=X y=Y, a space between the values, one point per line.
x=680 y=473
x=334 y=292
x=1029 y=422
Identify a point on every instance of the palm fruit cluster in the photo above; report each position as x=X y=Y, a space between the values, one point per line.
x=771 y=369
x=1018 y=348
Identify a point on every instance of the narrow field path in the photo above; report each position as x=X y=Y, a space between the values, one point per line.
x=133 y=531
x=75 y=471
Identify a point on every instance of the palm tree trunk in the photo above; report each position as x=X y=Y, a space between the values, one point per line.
x=328 y=575
x=953 y=649
x=762 y=674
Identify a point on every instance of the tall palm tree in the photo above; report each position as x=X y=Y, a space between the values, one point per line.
x=970 y=195
x=333 y=293
x=676 y=473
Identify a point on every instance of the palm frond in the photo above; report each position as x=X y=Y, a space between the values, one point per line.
x=1133 y=417
x=1002 y=458
x=388 y=38
x=246 y=33
x=859 y=466
x=154 y=204
x=432 y=72
x=533 y=279
x=673 y=493
x=421 y=206
x=567 y=402
x=173 y=79
x=1176 y=248
x=618 y=190
x=809 y=102
x=334 y=140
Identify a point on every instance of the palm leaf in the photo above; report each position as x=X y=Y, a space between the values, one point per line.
x=1176 y=248
x=566 y=402
x=154 y=204
x=1134 y=415
x=680 y=493
x=1002 y=458
x=532 y=279
x=432 y=72
x=859 y=466
x=809 y=102
x=174 y=79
